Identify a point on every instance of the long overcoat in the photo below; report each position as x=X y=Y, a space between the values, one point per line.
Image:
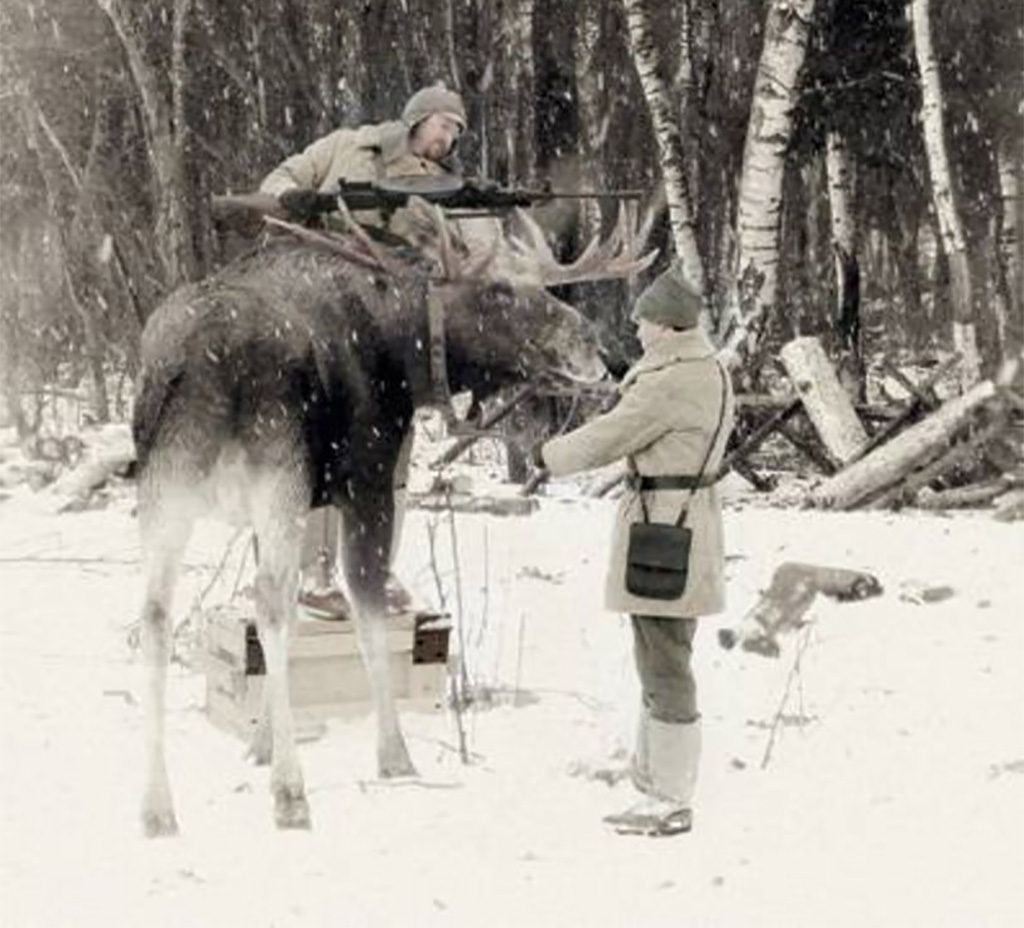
x=666 y=417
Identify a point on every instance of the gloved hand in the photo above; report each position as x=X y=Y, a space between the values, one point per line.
x=303 y=205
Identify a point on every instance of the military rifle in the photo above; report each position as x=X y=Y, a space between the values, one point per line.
x=459 y=196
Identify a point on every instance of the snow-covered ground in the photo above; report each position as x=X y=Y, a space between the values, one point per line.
x=893 y=793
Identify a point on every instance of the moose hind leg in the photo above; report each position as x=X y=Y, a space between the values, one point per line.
x=279 y=536
x=366 y=554
x=164 y=549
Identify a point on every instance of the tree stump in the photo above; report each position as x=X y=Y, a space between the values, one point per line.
x=782 y=606
x=827 y=403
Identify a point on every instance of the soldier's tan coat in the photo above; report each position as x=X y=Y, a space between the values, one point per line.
x=665 y=418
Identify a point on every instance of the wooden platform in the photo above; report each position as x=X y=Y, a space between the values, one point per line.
x=326 y=674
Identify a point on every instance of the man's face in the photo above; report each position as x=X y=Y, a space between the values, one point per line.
x=434 y=136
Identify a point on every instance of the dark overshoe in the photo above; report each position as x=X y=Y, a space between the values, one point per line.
x=330 y=604
x=397 y=598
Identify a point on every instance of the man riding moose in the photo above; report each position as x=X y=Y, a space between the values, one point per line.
x=421 y=143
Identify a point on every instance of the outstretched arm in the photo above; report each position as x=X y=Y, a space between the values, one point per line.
x=631 y=426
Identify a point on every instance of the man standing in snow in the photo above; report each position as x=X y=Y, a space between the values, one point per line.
x=671 y=423
x=421 y=143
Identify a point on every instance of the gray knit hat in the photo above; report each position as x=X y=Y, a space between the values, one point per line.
x=434 y=99
x=670 y=300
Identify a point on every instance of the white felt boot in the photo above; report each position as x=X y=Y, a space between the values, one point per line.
x=665 y=774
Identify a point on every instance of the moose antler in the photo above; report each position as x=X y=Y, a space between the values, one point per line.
x=612 y=258
x=529 y=258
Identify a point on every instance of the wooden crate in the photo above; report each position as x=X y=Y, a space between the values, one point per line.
x=325 y=670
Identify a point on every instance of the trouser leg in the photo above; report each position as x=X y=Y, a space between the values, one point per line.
x=662 y=648
x=322 y=541
x=668 y=744
x=320 y=544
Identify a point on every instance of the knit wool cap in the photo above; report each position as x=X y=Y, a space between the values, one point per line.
x=670 y=300
x=434 y=99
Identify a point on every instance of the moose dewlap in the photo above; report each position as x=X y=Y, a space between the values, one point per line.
x=326 y=675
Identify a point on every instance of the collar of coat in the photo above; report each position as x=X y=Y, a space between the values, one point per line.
x=391 y=139
x=688 y=345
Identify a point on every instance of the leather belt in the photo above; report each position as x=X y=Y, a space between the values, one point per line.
x=685 y=482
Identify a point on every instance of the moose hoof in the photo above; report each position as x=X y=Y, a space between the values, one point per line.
x=291 y=810
x=159 y=824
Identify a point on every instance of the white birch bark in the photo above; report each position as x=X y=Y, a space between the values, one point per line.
x=666 y=131
x=760 y=196
x=837 y=167
x=950 y=227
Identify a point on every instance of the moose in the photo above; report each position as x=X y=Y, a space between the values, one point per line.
x=287 y=381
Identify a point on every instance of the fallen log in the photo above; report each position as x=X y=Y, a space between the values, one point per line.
x=922 y=400
x=828 y=405
x=960 y=452
x=466 y=502
x=917 y=445
x=108 y=451
x=978 y=494
x=783 y=605
x=819 y=457
x=1010 y=507
x=756 y=438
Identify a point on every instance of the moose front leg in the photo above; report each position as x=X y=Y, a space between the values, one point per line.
x=368 y=528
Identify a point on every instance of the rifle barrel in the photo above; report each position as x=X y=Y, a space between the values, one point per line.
x=593 y=194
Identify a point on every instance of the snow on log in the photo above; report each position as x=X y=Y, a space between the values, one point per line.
x=782 y=606
x=889 y=463
x=827 y=403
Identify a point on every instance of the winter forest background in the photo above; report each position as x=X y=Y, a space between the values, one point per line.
x=819 y=159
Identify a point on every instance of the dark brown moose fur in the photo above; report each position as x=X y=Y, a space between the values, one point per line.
x=288 y=381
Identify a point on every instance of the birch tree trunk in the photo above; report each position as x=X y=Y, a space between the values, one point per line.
x=1009 y=235
x=685 y=86
x=760 y=197
x=523 y=89
x=950 y=228
x=837 y=166
x=593 y=118
x=670 y=145
x=454 y=77
x=165 y=128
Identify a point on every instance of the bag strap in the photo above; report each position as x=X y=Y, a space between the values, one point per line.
x=711 y=447
x=707 y=456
